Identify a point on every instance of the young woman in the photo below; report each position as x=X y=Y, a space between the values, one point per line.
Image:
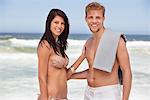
x=52 y=59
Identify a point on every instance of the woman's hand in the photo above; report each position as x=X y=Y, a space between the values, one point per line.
x=40 y=97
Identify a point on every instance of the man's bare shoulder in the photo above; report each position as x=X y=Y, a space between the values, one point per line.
x=122 y=46
x=122 y=42
x=89 y=41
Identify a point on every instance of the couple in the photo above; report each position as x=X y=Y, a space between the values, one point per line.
x=105 y=52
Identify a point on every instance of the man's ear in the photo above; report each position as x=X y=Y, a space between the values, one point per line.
x=104 y=17
x=86 y=18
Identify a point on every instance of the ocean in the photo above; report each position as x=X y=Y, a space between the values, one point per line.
x=18 y=66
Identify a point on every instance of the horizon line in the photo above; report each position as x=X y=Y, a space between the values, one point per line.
x=126 y=33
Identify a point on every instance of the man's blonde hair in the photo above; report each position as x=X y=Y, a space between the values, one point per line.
x=94 y=6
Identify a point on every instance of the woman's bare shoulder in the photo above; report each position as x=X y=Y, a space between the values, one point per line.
x=44 y=47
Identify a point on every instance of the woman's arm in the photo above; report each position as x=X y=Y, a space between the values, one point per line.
x=43 y=56
x=80 y=75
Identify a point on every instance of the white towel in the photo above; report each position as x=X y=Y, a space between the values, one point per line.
x=106 y=51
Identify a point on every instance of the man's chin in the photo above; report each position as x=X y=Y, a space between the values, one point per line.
x=94 y=30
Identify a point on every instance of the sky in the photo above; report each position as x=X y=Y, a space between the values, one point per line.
x=29 y=16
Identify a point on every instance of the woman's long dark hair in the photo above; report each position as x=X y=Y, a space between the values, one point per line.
x=62 y=38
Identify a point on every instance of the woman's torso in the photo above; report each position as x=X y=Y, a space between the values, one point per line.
x=57 y=76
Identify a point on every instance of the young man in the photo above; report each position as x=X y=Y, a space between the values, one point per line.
x=105 y=53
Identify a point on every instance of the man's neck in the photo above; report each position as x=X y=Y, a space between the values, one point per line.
x=98 y=34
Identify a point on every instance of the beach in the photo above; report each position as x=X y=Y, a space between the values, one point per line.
x=18 y=66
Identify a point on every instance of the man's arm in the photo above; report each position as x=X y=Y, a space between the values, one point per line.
x=72 y=69
x=123 y=58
